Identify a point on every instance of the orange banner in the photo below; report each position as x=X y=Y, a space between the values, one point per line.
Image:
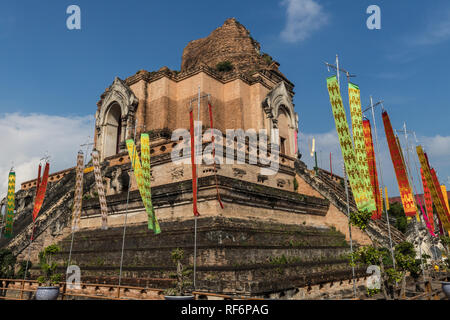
x=406 y=194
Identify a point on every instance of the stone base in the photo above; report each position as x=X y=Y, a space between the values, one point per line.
x=234 y=256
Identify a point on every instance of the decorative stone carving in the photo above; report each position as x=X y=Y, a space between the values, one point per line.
x=239 y=173
x=281 y=183
x=280 y=97
x=277 y=97
x=262 y=178
x=177 y=173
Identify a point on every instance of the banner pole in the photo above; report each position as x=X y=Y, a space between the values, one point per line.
x=381 y=178
x=133 y=157
x=349 y=228
x=416 y=227
x=338 y=70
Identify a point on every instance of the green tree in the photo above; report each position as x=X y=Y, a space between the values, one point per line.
x=22 y=267
x=396 y=211
x=7 y=263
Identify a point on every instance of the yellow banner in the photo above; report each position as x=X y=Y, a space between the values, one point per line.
x=360 y=144
x=346 y=143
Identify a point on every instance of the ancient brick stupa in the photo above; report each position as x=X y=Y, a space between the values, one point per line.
x=277 y=233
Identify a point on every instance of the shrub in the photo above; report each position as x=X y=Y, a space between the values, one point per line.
x=181 y=275
x=360 y=219
x=22 y=267
x=49 y=276
x=7 y=262
x=295 y=184
x=267 y=58
x=224 y=66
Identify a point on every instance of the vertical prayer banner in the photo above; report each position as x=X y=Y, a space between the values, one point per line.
x=143 y=185
x=40 y=193
x=434 y=188
x=147 y=176
x=370 y=151
x=77 y=199
x=406 y=194
x=100 y=189
x=360 y=145
x=345 y=141
x=428 y=201
x=10 y=207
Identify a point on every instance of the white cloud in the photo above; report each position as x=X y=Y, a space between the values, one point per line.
x=303 y=17
x=437 y=148
x=26 y=138
x=437 y=30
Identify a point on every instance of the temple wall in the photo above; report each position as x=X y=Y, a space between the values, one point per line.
x=164 y=103
x=334 y=217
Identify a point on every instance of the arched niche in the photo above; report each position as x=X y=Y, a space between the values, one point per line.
x=283 y=121
x=112 y=130
x=115 y=118
x=280 y=114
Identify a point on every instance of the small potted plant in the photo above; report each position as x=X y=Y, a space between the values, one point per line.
x=49 y=278
x=179 y=292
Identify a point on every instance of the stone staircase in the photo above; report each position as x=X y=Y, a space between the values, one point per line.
x=334 y=191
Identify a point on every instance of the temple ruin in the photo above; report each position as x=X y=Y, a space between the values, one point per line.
x=277 y=235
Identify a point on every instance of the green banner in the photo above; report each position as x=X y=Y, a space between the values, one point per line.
x=10 y=205
x=360 y=144
x=143 y=177
x=345 y=140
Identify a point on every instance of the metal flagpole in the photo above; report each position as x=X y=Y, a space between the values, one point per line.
x=133 y=158
x=338 y=70
x=349 y=228
x=46 y=157
x=372 y=107
x=199 y=148
x=410 y=177
x=196 y=179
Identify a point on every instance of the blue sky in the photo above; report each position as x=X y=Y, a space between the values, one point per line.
x=52 y=75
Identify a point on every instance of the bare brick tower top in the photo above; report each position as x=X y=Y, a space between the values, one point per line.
x=230 y=42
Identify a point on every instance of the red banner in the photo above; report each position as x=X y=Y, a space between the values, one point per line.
x=428 y=201
x=40 y=193
x=372 y=169
x=194 y=166
x=406 y=195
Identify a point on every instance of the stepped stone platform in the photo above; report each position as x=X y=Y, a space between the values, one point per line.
x=233 y=255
